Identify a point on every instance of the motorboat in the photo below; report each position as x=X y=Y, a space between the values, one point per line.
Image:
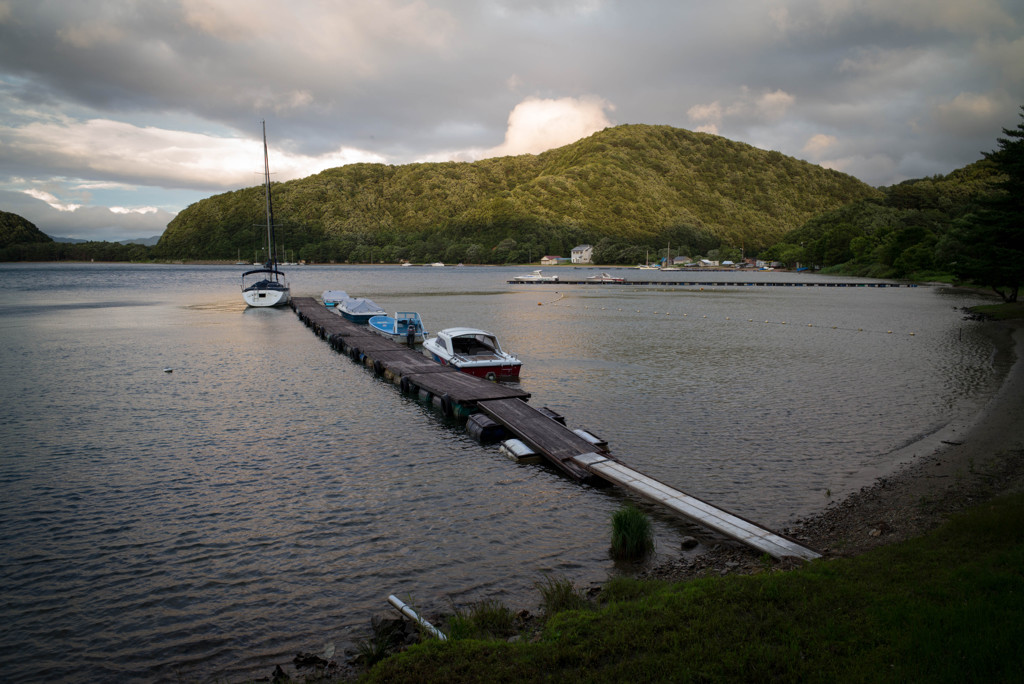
x=359 y=309
x=266 y=286
x=331 y=298
x=472 y=351
x=536 y=277
x=605 y=278
x=398 y=327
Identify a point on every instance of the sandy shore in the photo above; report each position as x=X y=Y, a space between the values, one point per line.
x=964 y=464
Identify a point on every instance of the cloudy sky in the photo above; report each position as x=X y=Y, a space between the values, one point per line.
x=116 y=114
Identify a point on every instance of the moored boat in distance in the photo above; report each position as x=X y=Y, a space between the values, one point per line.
x=536 y=277
x=605 y=278
x=266 y=286
x=472 y=351
x=397 y=327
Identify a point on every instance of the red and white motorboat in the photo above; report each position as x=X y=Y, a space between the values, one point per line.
x=472 y=351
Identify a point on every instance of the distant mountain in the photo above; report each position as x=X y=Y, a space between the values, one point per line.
x=16 y=229
x=149 y=242
x=627 y=185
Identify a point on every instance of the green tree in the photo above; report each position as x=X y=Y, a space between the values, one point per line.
x=991 y=241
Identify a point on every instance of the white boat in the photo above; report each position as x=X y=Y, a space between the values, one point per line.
x=536 y=277
x=605 y=278
x=647 y=263
x=332 y=298
x=398 y=327
x=472 y=351
x=438 y=264
x=359 y=309
x=266 y=286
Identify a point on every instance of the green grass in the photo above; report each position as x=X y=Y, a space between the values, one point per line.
x=631 y=533
x=943 y=608
x=559 y=594
x=484 y=620
x=1001 y=312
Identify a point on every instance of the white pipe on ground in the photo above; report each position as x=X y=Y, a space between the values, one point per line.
x=408 y=612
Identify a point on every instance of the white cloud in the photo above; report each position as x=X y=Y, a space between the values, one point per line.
x=134 y=210
x=536 y=125
x=51 y=200
x=154 y=156
x=818 y=144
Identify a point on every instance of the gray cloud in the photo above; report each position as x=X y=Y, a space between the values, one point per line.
x=85 y=222
x=166 y=97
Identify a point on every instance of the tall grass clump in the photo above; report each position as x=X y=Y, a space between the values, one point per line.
x=489 y=619
x=558 y=594
x=384 y=640
x=632 y=537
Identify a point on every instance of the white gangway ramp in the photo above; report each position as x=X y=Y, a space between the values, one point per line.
x=693 y=508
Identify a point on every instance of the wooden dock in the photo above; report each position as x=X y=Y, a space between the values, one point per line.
x=698 y=510
x=459 y=395
x=714 y=283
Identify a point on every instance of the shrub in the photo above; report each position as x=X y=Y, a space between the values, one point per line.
x=631 y=533
x=559 y=594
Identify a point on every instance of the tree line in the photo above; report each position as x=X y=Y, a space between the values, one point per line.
x=967 y=224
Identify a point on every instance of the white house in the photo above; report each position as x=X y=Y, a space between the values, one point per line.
x=582 y=254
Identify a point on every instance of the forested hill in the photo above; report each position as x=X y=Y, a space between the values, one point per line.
x=625 y=187
x=16 y=229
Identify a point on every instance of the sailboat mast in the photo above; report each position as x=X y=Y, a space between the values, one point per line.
x=272 y=259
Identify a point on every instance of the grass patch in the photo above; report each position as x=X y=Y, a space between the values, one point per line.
x=558 y=594
x=484 y=620
x=942 y=608
x=632 y=537
x=1000 y=312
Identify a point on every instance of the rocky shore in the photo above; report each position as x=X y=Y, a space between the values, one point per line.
x=965 y=465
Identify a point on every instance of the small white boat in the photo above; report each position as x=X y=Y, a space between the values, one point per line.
x=332 y=298
x=472 y=351
x=266 y=286
x=605 y=278
x=438 y=264
x=536 y=277
x=359 y=309
x=398 y=327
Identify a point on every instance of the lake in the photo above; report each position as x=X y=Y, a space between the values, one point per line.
x=266 y=496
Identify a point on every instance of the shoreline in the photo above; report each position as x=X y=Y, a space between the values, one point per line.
x=970 y=460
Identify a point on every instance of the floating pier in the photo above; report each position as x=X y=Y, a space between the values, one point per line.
x=714 y=283
x=577 y=453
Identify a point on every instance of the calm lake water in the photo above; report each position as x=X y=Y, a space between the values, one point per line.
x=266 y=496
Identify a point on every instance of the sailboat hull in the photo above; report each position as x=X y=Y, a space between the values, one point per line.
x=278 y=296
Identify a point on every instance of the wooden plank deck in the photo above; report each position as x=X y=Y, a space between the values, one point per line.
x=575 y=456
x=714 y=283
x=695 y=509
x=466 y=389
x=557 y=443
x=402 y=363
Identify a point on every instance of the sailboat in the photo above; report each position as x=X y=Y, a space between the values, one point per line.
x=668 y=264
x=647 y=263
x=266 y=286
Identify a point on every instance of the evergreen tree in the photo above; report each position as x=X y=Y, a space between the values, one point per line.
x=991 y=241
